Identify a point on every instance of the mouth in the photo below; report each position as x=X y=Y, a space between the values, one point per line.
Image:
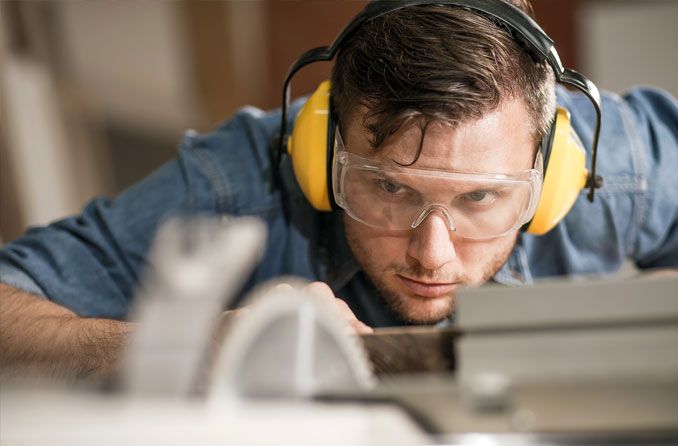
x=429 y=290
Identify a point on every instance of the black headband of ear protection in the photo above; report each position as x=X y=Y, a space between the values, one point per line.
x=525 y=31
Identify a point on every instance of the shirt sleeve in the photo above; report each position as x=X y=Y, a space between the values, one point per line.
x=654 y=114
x=634 y=215
x=90 y=263
x=15 y=277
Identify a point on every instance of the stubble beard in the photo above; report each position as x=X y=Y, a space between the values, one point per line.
x=404 y=306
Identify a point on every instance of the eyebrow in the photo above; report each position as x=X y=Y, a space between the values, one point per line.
x=460 y=188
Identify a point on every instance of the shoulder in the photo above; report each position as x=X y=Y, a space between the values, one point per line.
x=254 y=128
x=633 y=212
x=237 y=159
x=637 y=128
x=625 y=117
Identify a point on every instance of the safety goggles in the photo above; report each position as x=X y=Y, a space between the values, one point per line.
x=387 y=196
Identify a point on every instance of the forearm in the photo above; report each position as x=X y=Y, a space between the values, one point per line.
x=40 y=337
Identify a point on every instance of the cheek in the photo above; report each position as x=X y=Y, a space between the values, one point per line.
x=388 y=250
x=473 y=251
x=479 y=251
x=374 y=248
x=480 y=258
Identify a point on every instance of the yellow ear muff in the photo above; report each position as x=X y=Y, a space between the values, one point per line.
x=308 y=147
x=564 y=177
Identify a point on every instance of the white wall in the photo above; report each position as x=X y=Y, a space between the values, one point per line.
x=130 y=61
x=627 y=43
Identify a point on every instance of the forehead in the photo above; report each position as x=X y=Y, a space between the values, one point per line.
x=499 y=142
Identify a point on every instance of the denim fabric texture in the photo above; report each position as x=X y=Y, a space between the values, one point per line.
x=92 y=263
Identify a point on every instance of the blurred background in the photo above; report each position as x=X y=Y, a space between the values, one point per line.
x=94 y=95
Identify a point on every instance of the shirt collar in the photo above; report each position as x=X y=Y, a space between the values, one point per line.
x=335 y=254
x=516 y=270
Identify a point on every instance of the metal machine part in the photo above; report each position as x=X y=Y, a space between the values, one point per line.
x=290 y=343
x=562 y=362
x=599 y=355
x=195 y=267
x=565 y=331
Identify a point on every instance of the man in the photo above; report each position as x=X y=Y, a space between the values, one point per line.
x=426 y=97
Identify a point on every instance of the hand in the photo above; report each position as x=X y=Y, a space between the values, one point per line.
x=323 y=291
x=317 y=289
x=660 y=272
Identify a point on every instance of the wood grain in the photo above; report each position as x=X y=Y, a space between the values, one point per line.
x=408 y=350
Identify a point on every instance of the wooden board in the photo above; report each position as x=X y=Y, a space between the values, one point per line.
x=408 y=350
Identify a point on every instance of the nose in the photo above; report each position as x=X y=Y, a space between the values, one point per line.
x=441 y=210
x=431 y=243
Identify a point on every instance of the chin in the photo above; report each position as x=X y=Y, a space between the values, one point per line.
x=421 y=310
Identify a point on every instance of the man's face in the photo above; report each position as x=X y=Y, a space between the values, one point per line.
x=418 y=271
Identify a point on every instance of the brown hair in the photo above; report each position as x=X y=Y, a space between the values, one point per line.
x=437 y=62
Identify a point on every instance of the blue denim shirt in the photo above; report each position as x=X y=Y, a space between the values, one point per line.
x=91 y=263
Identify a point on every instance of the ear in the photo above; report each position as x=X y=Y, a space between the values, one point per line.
x=564 y=175
x=310 y=147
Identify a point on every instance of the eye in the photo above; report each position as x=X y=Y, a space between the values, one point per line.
x=480 y=197
x=389 y=186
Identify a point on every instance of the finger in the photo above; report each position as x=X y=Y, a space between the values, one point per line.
x=320 y=290
x=360 y=328
x=282 y=287
x=323 y=291
x=345 y=310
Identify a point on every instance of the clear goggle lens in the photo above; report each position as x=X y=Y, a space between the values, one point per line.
x=394 y=198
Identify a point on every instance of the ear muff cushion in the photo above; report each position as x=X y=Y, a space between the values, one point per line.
x=308 y=147
x=564 y=177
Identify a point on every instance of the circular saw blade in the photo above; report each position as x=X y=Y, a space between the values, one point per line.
x=291 y=344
